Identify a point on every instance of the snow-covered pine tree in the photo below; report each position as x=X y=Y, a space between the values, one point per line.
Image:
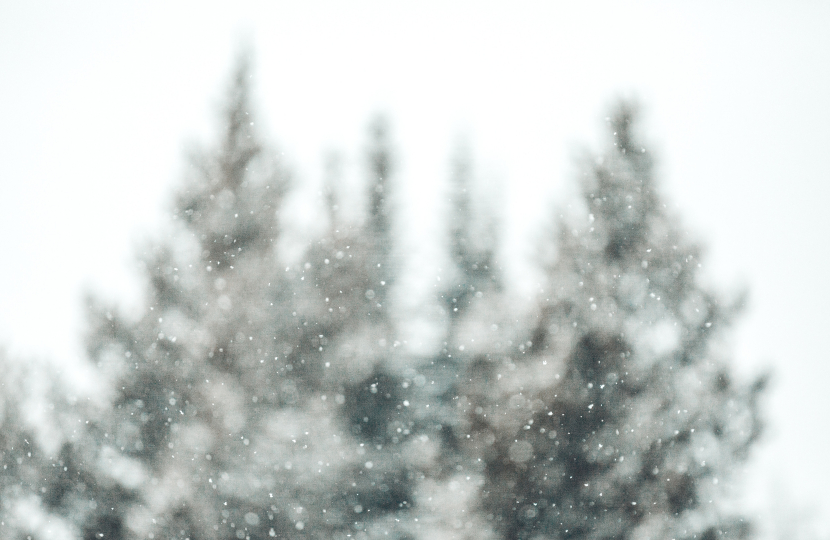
x=616 y=415
x=236 y=408
x=448 y=474
x=352 y=268
x=33 y=446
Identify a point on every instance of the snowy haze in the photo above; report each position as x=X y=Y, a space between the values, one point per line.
x=99 y=103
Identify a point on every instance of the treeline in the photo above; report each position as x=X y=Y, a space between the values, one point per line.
x=253 y=400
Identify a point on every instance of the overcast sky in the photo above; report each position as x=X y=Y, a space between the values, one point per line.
x=100 y=100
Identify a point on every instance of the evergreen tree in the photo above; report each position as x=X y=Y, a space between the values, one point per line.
x=616 y=417
x=43 y=449
x=218 y=386
x=473 y=303
x=256 y=399
x=21 y=456
x=353 y=267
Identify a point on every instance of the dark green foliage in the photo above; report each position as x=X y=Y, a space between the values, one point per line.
x=374 y=404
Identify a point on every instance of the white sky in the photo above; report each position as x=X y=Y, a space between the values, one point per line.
x=99 y=100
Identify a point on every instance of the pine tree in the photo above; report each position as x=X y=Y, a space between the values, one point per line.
x=21 y=456
x=219 y=384
x=617 y=415
x=43 y=493
x=473 y=303
x=354 y=267
x=256 y=399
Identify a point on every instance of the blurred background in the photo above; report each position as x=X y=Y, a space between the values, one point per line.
x=99 y=103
